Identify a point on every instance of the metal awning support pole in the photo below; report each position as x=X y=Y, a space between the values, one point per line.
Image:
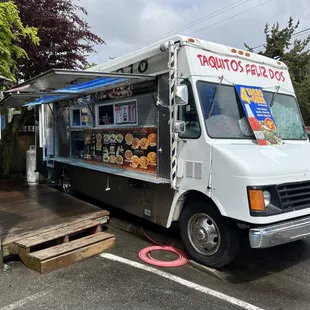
x=91 y=112
x=172 y=86
x=49 y=105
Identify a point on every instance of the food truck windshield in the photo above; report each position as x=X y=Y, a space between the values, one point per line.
x=226 y=119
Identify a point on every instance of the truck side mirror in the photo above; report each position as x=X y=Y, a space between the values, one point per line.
x=181 y=95
x=179 y=127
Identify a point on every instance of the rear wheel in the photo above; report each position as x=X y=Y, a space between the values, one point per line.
x=208 y=237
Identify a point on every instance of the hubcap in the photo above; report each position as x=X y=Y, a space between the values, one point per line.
x=203 y=234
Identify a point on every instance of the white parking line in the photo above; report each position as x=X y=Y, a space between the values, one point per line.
x=24 y=301
x=181 y=281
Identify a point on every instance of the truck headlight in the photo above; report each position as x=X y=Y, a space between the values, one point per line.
x=264 y=200
x=267 y=198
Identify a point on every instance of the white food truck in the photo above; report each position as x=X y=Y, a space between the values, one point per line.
x=183 y=130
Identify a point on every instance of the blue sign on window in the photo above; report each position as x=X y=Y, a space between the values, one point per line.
x=3 y=122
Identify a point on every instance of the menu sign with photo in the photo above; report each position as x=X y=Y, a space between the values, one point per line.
x=130 y=149
x=259 y=114
x=84 y=117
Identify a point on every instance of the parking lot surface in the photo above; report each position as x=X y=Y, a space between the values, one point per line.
x=276 y=278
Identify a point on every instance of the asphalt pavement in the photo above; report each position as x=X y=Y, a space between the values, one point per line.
x=276 y=278
x=99 y=283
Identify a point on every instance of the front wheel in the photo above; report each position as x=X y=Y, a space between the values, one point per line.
x=208 y=238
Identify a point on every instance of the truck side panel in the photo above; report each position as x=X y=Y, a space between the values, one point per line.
x=146 y=200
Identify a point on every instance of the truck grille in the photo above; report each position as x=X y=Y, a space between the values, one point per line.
x=295 y=196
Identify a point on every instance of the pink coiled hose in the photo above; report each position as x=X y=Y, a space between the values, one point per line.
x=145 y=254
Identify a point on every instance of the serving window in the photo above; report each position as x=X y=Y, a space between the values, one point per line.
x=121 y=113
x=81 y=117
x=105 y=115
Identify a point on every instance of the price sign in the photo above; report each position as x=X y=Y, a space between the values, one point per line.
x=259 y=114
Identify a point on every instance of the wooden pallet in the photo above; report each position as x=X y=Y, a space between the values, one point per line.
x=31 y=228
x=58 y=248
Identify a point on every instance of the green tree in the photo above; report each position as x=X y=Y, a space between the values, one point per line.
x=295 y=54
x=12 y=33
x=66 y=40
x=90 y=65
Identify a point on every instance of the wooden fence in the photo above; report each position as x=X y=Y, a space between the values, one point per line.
x=24 y=140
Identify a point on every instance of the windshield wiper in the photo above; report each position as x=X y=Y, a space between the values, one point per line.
x=274 y=96
x=215 y=94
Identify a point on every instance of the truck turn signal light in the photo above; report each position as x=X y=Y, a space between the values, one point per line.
x=256 y=199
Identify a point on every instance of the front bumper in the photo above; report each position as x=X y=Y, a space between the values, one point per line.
x=276 y=234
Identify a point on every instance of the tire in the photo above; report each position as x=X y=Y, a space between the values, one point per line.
x=208 y=238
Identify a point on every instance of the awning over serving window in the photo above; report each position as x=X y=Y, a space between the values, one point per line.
x=18 y=100
x=78 y=89
x=56 y=85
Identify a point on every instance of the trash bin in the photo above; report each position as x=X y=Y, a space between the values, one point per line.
x=32 y=176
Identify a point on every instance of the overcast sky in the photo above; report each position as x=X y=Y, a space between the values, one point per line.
x=129 y=24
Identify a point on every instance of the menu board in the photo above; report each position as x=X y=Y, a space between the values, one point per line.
x=130 y=148
x=259 y=114
x=125 y=114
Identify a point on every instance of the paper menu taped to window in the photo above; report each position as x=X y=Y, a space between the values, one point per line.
x=125 y=114
x=132 y=113
x=118 y=115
